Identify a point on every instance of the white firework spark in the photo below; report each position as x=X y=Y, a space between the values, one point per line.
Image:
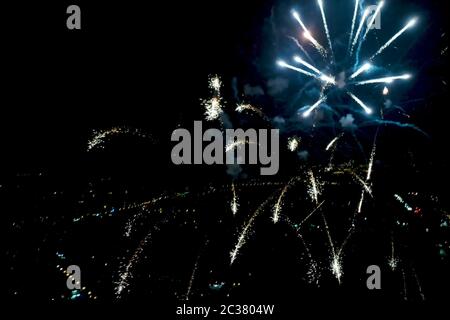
x=194 y=272
x=409 y=25
x=325 y=25
x=308 y=111
x=234 y=201
x=248 y=107
x=213 y=108
x=306 y=64
x=336 y=261
x=336 y=268
x=364 y=68
x=393 y=260
x=363 y=184
x=361 y=201
x=283 y=64
x=215 y=83
x=300 y=46
x=237 y=144
x=355 y=13
x=245 y=231
x=384 y=80
x=308 y=35
x=331 y=144
x=127 y=273
x=361 y=25
x=313 y=189
x=320 y=76
x=100 y=137
x=293 y=143
x=369 y=171
x=419 y=286
x=311 y=214
x=405 y=204
x=362 y=104
x=372 y=159
x=279 y=204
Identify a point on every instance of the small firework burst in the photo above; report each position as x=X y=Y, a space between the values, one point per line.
x=293 y=143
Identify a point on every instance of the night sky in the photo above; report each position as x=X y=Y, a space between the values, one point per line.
x=87 y=178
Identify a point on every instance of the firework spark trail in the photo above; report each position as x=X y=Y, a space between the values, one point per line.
x=410 y=24
x=361 y=25
x=333 y=142
x=236 y=144
x=244 y=234
x=330 y=162
x=310 y=215
x=279 y=204
x=363 y=184
x=127 y=274
x=325 y=25
x=405 y=292
x=285 y=65
x=336 y=263
x=301 y=47
x=393 y=261
x=194 y=272
x=234 y=201
x=308 y=112
x=308 y=35
x=369 y=169
x=384 y=80
x=360 y=103
x=377 y=12
x=365 y=67
x=418 y=284
x=372 y=159
x=316 y=44
x=361 y=200
x=313 y=187
x=313 y=271
x=405 y=204
x=191 y=281
x=322 y=77
x=297 y=17
x=132 y=222
x=243 y=107
x=125 y=207
x=355 y=13
x=332 y=145
x=100 y=137
x=306 y=64
x=344 y=243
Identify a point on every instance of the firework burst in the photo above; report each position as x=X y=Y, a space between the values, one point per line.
x=356 y=40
